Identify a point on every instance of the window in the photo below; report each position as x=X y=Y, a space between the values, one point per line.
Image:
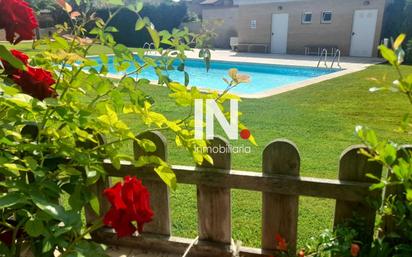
x=253 y=24
x=307 y=18
x=326 y=17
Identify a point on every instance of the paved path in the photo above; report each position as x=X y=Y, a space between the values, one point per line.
x=350 y=63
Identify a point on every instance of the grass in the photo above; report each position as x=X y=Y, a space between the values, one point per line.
x=319 y=118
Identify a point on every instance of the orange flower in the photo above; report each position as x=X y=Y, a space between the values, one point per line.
x=281 y=243
x=301 y=253
x=354 y=249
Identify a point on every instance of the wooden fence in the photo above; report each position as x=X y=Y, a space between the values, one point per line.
x=279 y=183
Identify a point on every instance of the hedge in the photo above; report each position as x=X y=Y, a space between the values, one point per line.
x=165 y=16
x=398 y=19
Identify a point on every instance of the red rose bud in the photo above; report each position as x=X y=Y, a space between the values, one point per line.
x=10 y=70
x=18 y=20
x=354 y=250
x=36 y=82
x=130 y=202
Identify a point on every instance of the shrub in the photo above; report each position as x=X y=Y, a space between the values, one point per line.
x=165 y=16
x=61 y=118
x=398 y=19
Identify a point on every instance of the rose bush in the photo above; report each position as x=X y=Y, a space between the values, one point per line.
x=61 y=118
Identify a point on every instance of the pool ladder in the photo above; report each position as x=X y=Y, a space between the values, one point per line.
x=336 y=58
x=324 y=51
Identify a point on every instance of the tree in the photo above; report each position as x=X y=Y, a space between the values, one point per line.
x=398 y=19
x=38 y=6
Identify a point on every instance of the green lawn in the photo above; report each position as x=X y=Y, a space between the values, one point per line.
x=320 y=119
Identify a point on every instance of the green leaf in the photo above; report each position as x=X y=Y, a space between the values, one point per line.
x=104 y=58
x=167 y=175
x=53 y=210
x=176 y=87
x=181 y=67
x=75 y=199
x=376 y=186
x=94 y=203
x=14 y=168
x=11 y=199
x=61 y=41
x=34 y=227
x=111 y=29
x=9 y=57
x=409 y=195
x=399 y=40
x=371 y=138
x=154 y=35
x=140 y=23
x=388 y=54
x=139 y=6
x=147 y=145
x=103 y=87
x=187 y=79
x=96 y=31
x=389 y=154
x=21 y=100
x=47 y=246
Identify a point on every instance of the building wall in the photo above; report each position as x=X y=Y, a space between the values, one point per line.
x=230 y=17
x=337 y=33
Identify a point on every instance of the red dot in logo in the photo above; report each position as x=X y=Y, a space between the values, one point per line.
x=245 y=134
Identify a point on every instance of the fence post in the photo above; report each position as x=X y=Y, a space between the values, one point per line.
x=354 y=166
x=159 y=192
x=214 y=203
x=280 y=212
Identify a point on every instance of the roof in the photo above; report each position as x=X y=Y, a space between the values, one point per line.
x=209 y=2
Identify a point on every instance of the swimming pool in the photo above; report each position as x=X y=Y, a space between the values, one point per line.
x=264 y=77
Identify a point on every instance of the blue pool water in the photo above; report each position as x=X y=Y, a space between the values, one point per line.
x=263 y=77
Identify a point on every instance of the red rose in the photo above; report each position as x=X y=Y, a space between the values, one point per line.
x=18 y=19
x=354 y=249
x=10 y=70
x=281 y=244
x=130 y=202
x=36 y=82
